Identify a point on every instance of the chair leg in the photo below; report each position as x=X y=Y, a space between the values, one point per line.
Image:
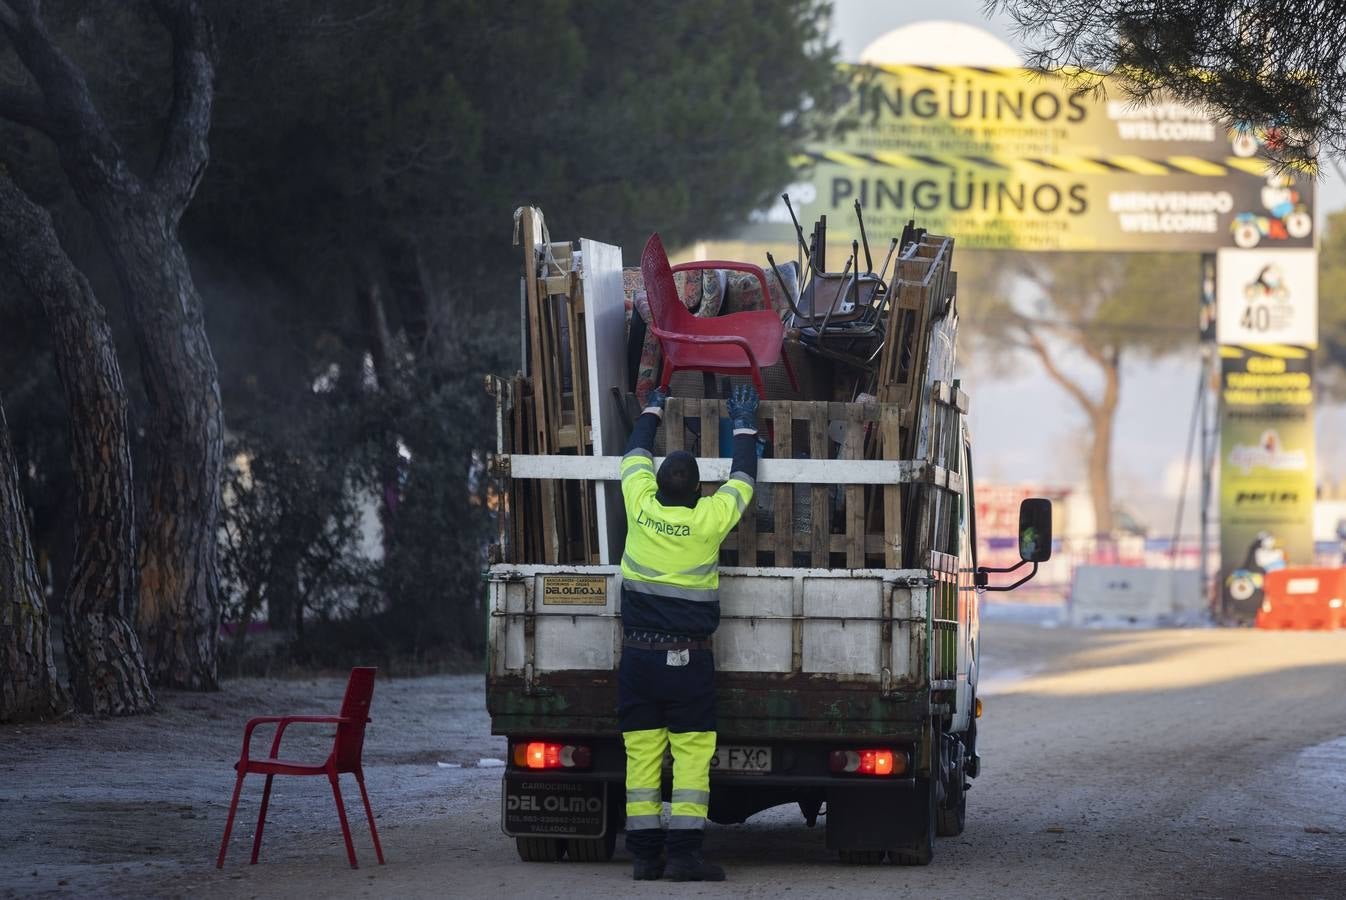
x=229 y=822
x=374 y=832
x=789 y=369
x=261 y=820
x=345 y=826
x=757 y=382
x=667 y=376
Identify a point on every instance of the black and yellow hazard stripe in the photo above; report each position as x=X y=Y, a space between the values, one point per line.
x=1279 y=351
x=1117 y=164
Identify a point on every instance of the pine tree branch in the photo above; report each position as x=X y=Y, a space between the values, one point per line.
x=1039 y=348
x=75 y=124
x=185 y=150
x=24 y=108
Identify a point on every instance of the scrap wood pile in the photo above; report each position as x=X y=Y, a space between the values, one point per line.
x=865 y=342
x=547 y=520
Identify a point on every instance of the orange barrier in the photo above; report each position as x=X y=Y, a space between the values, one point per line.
x=1303 y=600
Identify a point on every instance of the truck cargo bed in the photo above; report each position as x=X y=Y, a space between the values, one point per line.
x=800 y=653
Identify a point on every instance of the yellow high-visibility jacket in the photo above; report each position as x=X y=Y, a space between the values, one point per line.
x=670 y=569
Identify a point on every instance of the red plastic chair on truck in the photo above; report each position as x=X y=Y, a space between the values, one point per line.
x=347 y=747
x=737 y=344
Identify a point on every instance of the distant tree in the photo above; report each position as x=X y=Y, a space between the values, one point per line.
x=29 y=685
x=1267 y=63
x=1331 y=359
x=107 y=666
x=1078 y=315
x=353 y=227
x=393 y=139
x=137 y=220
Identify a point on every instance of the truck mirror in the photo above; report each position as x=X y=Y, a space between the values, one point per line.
x=1035 y=530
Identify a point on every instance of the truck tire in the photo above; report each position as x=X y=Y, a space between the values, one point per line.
x=922 y=849
x=951 y=813
x=592 y=849
x=950 y=822
x=861 y=857
x=536 y=849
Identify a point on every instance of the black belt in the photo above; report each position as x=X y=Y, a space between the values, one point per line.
x=674 y=645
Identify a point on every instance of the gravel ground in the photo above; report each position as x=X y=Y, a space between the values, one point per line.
x=1162 y=763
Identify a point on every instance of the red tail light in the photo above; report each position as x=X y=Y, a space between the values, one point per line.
x=542 y=755
x=880 y=762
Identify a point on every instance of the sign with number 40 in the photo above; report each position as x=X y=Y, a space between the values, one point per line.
x=1267 y=297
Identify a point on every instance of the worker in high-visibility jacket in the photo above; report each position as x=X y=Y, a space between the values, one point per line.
x=670 y=608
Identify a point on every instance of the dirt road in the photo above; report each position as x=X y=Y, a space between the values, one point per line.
x=1171 y=763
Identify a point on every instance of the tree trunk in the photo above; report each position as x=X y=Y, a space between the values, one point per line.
x=138 y=222
x=1102 y=419
x=179 y=577
x=29 y=686
x=1100 y=474
x=107 y=667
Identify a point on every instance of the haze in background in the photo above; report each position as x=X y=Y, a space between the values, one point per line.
x=1026 y=428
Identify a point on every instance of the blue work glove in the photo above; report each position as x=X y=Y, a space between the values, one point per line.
x=655 y=400
x=743 y=408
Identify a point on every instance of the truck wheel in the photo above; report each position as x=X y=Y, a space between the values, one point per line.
x=950 y=822
x=861 y=857
x=536 y=849
x=951 y=812
x=592 y=849
x=922 y=850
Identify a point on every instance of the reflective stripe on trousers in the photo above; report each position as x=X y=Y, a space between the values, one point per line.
x=692 y=751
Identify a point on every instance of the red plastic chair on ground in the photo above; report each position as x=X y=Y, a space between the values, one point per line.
x=347 y=747
x=737 y=344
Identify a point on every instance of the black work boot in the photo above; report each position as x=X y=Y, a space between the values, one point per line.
x=692 y=867
x=647 y=869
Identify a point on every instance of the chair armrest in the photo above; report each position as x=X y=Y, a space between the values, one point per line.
x=751 y=268
x=281 y=722
x=286 y=721
x=248 y=729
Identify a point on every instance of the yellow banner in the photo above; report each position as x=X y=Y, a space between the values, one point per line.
x=1014 y=158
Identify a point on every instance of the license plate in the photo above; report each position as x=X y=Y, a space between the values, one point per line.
x=537 y=807
x=751 y=760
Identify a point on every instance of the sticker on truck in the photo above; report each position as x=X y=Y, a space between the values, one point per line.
x=574 y=590
x=538 y=808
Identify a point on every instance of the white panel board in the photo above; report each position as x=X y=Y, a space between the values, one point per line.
x=849 y=648
x=605 y=334
x=745 y=645
x=1106 y=594
x=1267 y=297
x=584 y=640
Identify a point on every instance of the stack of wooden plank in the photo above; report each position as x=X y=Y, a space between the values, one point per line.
x=551 y=521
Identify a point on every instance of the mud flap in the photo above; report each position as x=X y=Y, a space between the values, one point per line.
x=533 y=806
x=872 y=818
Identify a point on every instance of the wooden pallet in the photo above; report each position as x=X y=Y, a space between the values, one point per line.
x=923 y=286
x=817 y=532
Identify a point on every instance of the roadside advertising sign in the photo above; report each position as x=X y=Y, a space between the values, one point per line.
x=1018 y=159
x=1267 y=296
x=1266 y=469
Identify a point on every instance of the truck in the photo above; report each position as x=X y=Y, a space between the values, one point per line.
x=848 y=652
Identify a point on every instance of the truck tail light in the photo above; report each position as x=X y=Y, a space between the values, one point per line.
x=541 y=755
x=880 y=762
